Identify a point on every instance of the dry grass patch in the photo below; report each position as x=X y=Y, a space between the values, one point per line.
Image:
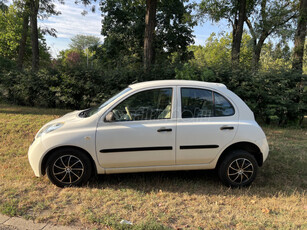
x=162 y=200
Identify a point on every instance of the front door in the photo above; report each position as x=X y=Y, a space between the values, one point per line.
x=208 y=122
x=142 y=133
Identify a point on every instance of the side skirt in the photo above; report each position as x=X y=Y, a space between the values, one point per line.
x=160 y=168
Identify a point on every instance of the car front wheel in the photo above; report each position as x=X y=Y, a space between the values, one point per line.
x=239 y=168
x=68 y=167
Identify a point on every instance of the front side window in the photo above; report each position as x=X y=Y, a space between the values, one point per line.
x=204 y=103
x=147 y=105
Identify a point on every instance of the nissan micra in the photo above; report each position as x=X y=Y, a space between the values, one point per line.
x=154 y=126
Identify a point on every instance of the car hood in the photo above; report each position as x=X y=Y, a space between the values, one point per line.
x=67 y=117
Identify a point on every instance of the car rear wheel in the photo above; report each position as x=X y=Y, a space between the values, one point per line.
x=239 y=168
x=68 y=167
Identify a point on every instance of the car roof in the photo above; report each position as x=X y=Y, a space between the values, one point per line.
x=176 y=83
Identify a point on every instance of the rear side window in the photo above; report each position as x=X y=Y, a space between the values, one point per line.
x=204 y=103
x=196 y=103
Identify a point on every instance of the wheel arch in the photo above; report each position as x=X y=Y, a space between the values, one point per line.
x=49 y=153
x=247 y=146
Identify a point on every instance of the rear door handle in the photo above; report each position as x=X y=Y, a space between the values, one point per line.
x=227 y=127
x=164 y=130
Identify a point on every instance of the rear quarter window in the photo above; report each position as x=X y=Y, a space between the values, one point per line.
x=222 y=107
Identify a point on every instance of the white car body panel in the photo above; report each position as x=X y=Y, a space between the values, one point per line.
x=204 y=132
x=93 y=134
x=137 y=134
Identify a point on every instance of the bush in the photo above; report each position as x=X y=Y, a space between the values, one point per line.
x=277 y=96
x=26 y=88
x=5 y=65
x=73 y=88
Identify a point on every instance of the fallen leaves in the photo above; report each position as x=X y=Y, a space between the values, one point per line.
x=266 y=210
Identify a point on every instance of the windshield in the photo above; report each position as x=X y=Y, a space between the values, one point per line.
x=114 y=97
x=91 y=111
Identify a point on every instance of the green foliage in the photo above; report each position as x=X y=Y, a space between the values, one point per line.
x=6 y=64
x=11 y=207
x=70 y=59
x=275 y=57
x=274 y=93
x=213 y=59
x=123 y=26
x=263 y=18
x=174 y=27
x=10 y=32
x=274 y=17
x=26 y=88
x=10 y=35
x=81 y=42
x=217 y=10
x=278 y=96
x=3 y=5
x=71 y=89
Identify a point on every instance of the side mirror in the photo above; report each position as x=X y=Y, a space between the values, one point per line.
x=110 y=117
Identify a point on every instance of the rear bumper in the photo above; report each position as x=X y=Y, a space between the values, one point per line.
x=264 y=148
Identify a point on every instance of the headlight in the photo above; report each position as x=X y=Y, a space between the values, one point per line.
x=49 y=128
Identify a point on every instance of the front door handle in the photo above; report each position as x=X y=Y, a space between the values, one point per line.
x=164 y=130
x=227 y=127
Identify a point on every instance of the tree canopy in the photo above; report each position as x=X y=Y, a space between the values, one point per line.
x=81 y=42
x=123 y=26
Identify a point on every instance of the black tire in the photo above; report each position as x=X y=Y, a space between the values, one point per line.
x=68 y=167
x=238 y=169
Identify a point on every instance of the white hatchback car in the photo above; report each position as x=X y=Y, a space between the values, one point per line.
x=154 y=126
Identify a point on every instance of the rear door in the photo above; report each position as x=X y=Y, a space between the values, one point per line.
x=207 y=122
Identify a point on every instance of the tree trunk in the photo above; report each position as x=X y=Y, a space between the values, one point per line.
x=23 y=40
x=300 y=37
x=257 y=49
x=237 y=34
x=34 y=5
x=150 y=24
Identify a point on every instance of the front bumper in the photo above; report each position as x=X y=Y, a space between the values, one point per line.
x=35 y=155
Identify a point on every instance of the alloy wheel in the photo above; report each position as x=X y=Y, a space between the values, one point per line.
x=240 y=170
x=68 y=169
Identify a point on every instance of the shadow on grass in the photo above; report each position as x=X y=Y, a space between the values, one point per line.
x=200 y=182
x=171 y=181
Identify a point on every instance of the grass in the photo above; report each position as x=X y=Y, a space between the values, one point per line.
x=162 y=200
